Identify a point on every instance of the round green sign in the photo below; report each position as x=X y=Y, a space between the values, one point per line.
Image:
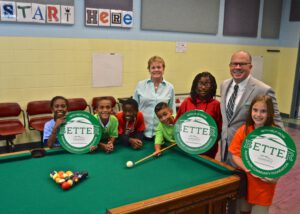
x=195 y=132
x=269 y=152
x=80 y=132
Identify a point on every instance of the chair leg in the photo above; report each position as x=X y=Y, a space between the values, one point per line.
x=42 y=143
x=10 y=146
x=7 y=146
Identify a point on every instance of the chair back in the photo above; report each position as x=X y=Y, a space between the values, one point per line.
x=113 y=101
x=10 y=125
x=39 y=107
x=10 y=109
x=78 y=104
x=121 y=101
x=38 y=113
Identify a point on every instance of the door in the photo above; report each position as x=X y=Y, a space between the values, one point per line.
x=295 y=109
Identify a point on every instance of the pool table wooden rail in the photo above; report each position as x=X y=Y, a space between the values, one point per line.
x=210 y=198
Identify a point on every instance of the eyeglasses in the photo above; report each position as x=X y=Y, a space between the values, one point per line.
x=205 y=84
x=241 y=64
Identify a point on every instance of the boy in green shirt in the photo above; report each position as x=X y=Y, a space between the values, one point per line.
x=108 y=124
x=165 y=128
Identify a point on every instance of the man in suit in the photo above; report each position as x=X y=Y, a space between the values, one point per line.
x=236 y=96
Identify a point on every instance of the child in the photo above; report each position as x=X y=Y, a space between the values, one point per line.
x=201 y=97
x=131 y=124
x=165 y=128
x=108 y=123
x=59 y=106
x=260 y=191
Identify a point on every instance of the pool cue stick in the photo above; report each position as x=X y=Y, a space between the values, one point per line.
x=153 y=154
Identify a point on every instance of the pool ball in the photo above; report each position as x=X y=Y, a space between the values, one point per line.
x=69 y=173
x=66 y=185
x=129 y=164
x=70 y=182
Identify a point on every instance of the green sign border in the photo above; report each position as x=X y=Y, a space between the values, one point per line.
x=211 y=141
x=286 y=167
x=81 y=150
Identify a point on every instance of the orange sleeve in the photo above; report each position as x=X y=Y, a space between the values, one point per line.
x=237 y=141
x=120 y=120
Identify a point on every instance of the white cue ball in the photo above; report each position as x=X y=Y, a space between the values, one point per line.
x=129 y=164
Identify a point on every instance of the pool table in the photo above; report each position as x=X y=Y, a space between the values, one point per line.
x=172 y=183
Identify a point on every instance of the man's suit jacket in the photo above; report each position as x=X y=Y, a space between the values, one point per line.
x=253 y=88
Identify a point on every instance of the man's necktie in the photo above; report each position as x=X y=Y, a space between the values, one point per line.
x=230 y=105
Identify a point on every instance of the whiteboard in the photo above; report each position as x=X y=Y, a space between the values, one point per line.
x=107 y=69
x=257 y=69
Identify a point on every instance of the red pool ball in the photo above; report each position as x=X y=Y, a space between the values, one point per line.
x=66 y=185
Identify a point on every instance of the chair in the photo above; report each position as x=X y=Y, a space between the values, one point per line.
x=113 y=101
x=76 y=104
x=121 y=101
x=38 y=113
x=10 y=125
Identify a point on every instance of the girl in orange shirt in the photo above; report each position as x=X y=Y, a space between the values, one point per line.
x=260 y=191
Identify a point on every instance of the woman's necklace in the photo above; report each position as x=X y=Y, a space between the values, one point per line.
x=156 y=84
